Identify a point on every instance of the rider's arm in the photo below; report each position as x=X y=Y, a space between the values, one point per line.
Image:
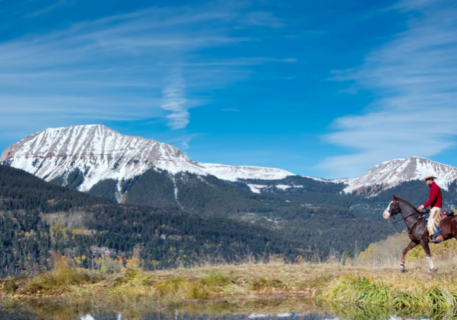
x=434 y=191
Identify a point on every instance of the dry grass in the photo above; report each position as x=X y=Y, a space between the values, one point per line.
x=361 y=282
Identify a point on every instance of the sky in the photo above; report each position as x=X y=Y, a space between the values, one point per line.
x=319 y=88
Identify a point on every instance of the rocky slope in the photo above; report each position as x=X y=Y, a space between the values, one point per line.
x=98 y=153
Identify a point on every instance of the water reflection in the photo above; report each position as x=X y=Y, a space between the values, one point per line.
x=168 y=313
x=183 y=316
x=280 y=316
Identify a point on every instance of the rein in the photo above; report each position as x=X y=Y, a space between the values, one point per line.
x=394 y=222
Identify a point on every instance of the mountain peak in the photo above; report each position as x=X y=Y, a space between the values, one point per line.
x=391 y=173
x=96 y=153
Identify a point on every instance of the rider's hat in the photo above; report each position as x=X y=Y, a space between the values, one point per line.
x=428 y=175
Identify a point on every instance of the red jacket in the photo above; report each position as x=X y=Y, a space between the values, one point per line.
x=435 y=199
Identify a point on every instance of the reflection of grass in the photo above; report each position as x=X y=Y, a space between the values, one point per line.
x=64 y=311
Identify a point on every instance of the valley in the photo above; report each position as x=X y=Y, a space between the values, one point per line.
x=98 y=193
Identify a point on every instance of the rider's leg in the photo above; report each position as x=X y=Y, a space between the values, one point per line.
x=434 y=217
x=436 y=220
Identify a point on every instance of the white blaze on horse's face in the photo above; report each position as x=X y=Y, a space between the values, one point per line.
x=386 y=214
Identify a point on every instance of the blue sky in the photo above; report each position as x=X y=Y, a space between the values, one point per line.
x=326 y=88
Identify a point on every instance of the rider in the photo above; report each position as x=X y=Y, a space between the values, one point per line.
x=435 y=201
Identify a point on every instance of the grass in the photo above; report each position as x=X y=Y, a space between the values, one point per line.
x=356 y=290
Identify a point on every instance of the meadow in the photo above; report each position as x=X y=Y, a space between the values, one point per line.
x=370 y=280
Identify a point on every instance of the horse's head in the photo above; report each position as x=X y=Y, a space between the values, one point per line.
x=392 y=209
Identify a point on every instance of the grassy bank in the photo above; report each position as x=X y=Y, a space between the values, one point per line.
x=325 y=282
x=357 y=283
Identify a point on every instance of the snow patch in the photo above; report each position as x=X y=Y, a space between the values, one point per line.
x=256 y=188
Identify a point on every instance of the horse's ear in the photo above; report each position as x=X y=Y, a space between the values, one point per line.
x=394 y=197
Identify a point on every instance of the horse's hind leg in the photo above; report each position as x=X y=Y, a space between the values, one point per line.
x=411 y=245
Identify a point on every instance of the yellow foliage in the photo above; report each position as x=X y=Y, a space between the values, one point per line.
x=108 y=265
x=59 y=230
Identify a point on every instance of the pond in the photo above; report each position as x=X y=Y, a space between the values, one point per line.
x=297 y=310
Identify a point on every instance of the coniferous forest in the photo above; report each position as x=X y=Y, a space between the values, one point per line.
x=213 y=220
x=38 y=217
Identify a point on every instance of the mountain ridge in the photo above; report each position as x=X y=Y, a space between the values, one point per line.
x=83 y=156
x=100 y=153
x=389 y=174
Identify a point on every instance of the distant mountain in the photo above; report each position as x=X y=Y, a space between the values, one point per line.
x=395 y=172
x=139 y=172
x=82 y=156
x=96 y=159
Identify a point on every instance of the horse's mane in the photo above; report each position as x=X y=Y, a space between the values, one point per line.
x=408 y=204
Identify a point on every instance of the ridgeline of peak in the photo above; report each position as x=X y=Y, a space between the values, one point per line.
x=100 y=153
x=392 y=173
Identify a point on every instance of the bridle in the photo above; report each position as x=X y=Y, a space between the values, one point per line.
x=394 y=222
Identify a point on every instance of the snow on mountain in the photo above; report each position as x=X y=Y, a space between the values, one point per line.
x=101 y=153
x=392 y=173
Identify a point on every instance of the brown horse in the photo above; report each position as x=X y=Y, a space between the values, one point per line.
x=417 y=228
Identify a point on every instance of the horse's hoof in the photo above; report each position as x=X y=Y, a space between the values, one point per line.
x=402 y=267
x=430 y=271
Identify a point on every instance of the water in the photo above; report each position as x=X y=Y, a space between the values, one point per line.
x=174 y=314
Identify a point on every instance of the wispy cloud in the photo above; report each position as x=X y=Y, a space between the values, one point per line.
x=117 y=67
x=174 y=100
x=415 y=76
x=46 y=9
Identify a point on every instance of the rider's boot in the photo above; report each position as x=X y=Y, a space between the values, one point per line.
x=437 y=239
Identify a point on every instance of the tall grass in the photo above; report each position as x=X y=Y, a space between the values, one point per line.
x=59 y=279
x=435 y=298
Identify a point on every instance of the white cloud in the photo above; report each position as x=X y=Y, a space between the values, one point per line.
x=415 y=76
x=174 y=100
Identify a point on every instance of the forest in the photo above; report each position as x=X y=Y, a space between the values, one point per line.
x=165 y=238
x=209 y=220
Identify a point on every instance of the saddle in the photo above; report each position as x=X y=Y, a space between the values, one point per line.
x=444 y=216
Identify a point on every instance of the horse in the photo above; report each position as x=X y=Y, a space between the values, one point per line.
x=417 y=228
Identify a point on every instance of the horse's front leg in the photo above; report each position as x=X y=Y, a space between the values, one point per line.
x=429 y=256
x=411 y=245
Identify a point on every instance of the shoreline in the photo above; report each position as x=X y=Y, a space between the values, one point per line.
x=231 y=286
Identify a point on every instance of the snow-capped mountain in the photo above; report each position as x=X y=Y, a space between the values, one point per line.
x=392 y=173
x=101 y=153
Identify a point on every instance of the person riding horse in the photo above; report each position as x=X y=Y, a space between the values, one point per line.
x=435 y=201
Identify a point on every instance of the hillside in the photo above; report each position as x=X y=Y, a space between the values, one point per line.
x=134 y=186
x=38 y=216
